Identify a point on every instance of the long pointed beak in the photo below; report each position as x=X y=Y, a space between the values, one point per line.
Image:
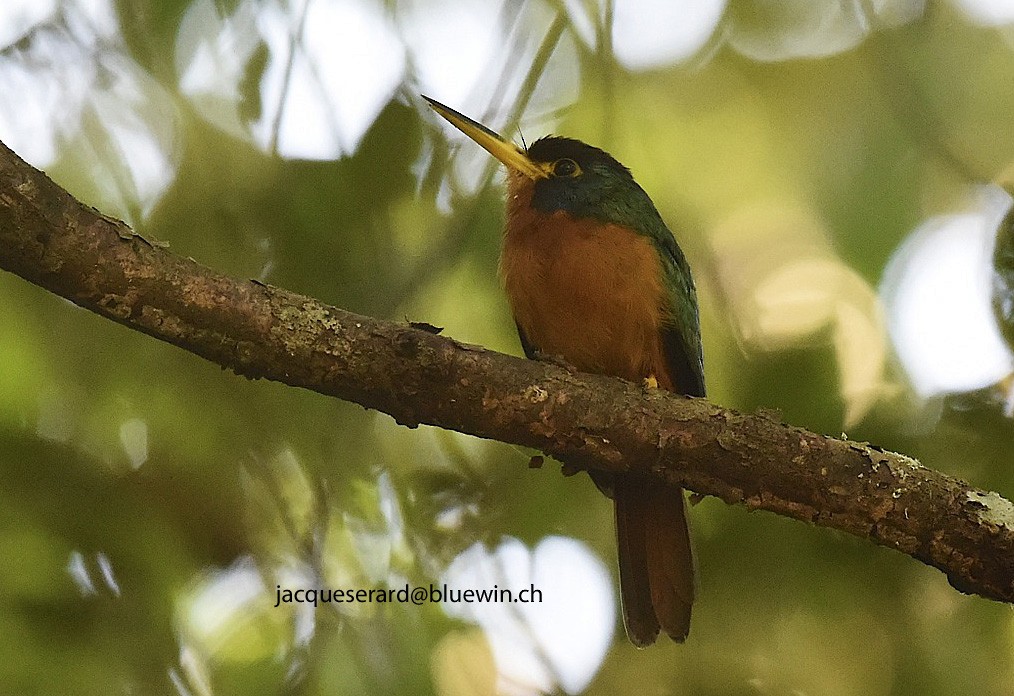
x=507 y=152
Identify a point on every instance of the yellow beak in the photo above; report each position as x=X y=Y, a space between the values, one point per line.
x=507 y=152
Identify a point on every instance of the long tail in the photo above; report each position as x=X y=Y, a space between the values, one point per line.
x=656 y=560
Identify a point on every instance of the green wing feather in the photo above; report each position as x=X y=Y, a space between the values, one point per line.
x=681 y=334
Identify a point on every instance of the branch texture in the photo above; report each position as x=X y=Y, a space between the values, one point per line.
x=416 y=376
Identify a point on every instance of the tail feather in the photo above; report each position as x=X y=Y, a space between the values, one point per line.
x=639 y=618
x=656 y=561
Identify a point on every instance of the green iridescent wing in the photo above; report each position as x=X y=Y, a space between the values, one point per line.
x=681 y=335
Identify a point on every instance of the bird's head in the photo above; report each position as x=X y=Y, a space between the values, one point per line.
x=562 y=174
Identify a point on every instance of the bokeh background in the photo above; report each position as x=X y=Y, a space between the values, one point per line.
x=834 y=170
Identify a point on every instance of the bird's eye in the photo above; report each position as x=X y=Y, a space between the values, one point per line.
x=566 y=167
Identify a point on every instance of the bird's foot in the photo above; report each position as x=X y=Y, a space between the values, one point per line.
x=650 y=382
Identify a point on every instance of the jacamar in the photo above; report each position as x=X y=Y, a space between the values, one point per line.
x=594 y=276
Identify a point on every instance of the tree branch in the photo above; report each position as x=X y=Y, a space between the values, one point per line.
x=416 y=376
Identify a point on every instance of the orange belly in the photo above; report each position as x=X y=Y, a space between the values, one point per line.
x=588 y=292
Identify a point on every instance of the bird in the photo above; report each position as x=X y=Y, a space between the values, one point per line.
x=595 y=278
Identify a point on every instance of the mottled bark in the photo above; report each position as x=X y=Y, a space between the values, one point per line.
x=417 y=376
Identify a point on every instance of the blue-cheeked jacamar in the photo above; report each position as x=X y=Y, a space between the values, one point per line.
x=594 y=276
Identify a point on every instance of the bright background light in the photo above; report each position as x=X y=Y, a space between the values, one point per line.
x=936 y=291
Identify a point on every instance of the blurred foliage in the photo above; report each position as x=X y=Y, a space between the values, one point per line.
x=152 y=502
